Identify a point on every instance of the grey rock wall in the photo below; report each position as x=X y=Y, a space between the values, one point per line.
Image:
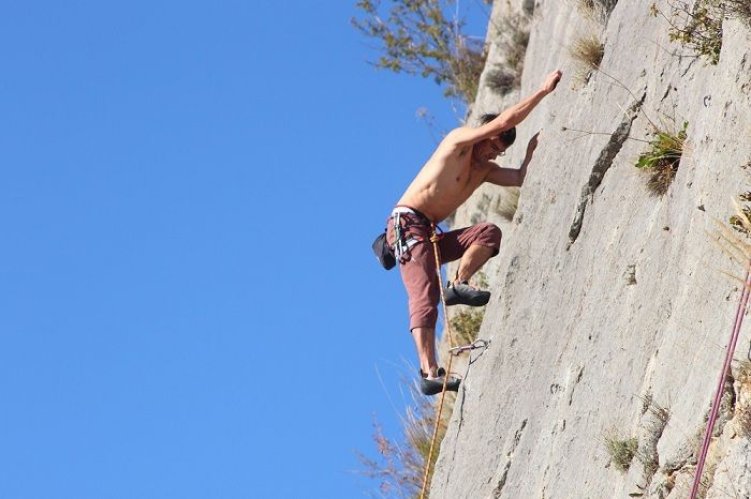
x=611 y=307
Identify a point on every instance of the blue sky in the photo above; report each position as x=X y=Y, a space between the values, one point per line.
x=188 y=303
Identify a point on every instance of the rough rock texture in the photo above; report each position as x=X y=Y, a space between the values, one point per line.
x=611 y=307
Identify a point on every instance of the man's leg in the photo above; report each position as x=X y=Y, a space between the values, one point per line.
x=474 y=245
x=423 y=289
x=470 y=244
x=425 y=344
x=474 y=258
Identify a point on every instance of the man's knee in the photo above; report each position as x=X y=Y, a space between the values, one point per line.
x=423 y=318
x=489 y=234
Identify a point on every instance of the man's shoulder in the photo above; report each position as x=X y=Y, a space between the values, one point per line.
x=456 y=133
x=452 y=142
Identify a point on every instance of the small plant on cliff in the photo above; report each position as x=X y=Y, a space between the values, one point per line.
x=740 y=9
x=743 y=404
x=466 y=324
x=511 y=35
x=695 y=25
x=621 y=451
x=737 y=246
x=737 y=221
x=600 y=7
x=662 y=158
x=596 y=10
x=418 y=37
x=587 y=53
x=507 y=203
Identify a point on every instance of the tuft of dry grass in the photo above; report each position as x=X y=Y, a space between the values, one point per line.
x=621 y=451
x=587 y=53
x=596 y=10
x=508 y=203
x=400 y=465
x=734 y=245
x=744 y=211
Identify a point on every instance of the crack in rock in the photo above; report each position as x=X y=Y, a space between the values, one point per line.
x=602 y=165
x=509 y=458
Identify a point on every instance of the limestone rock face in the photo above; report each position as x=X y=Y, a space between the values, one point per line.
x=611 y=306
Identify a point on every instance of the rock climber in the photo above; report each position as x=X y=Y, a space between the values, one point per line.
x=460 y=164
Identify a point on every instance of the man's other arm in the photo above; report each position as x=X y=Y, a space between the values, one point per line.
x=512 y=176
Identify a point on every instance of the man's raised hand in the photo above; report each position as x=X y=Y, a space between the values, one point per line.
x=552 y=80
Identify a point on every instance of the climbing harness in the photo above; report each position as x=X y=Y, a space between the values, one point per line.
x=741 y=311
x=403 y=240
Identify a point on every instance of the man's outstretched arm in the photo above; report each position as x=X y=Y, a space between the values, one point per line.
x=510 y=117
x=513 y=176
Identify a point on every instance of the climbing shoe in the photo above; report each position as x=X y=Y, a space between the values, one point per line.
x=435 y=385
x=461 y=293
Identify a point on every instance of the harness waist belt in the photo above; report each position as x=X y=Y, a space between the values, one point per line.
x=406 y=209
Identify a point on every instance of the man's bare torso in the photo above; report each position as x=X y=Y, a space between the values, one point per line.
x=447 y=180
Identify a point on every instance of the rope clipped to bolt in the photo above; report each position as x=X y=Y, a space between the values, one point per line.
x=434 y=239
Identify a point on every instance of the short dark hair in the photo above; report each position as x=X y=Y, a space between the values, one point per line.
x=507 y=136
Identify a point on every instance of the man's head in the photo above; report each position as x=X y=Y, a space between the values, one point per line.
x=507 y=137
x=490 y=148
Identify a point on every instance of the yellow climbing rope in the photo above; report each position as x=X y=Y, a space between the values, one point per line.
x=434 y=239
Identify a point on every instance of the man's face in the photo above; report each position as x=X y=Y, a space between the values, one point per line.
x=488 y=149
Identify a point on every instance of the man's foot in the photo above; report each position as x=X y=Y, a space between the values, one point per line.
x=461 y=293
x=434 y=386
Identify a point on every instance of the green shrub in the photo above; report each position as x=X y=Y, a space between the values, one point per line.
x=662 y=158
x=419 y=38
x=621 y=451
x=696 y=25
x=466 y=324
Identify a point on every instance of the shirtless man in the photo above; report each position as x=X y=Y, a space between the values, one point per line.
x=462 y=162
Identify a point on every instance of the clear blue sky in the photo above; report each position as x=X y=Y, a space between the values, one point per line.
x=188 y=303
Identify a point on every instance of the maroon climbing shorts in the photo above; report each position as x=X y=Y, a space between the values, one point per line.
x=418 y=265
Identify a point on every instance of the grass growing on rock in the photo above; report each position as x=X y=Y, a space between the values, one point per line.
x=596 y=10
x=744 y=209
x=507 y=204
x=587 y=53
x=739 y=9
x=663 y=158
x=466 y=324
x=621 y=451
x=743 y=404
x=512 y=36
